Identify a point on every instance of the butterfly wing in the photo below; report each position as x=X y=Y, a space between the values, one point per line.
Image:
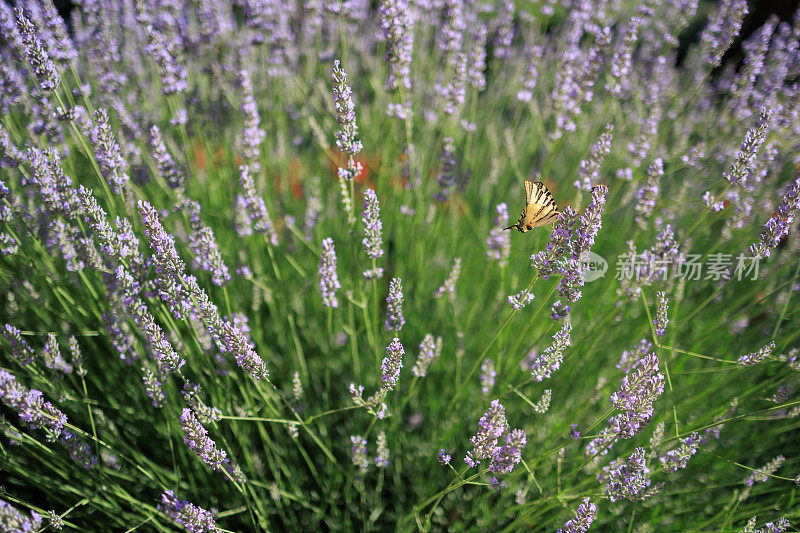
x=540 y=208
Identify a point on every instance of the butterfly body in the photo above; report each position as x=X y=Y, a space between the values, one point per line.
x=540 y=208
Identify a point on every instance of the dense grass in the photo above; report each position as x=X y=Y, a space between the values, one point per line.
x=295 y=451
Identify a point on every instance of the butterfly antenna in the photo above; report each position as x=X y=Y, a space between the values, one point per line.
x=511 y=227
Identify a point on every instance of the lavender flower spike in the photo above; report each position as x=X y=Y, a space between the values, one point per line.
x=345 y=115
x=661 y=320
x=328 y=279
x=757 y=357
x=373 y=227
x=589 y=172
x=582 y=521
x=397 y=24
x=164 y=161
x=429 y=350
x=43 y=66
x=12 y=520
x=449 y=284
x=744 y=161
x=256 y=207
x=777 y=227
x=195 y=436
x=195 y=519
x=550 y=359
x=394 y=306
x=252 y=135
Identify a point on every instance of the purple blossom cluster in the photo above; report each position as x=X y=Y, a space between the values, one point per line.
x=488 y=375
x=429 y=351
x=660 y=321
x=345 y=115
x=394 y=306
x=183 y=513
x=496 y=441
x=13 y=520
x=589 y=173
x=397 y=24
x=499 y=241
x=567 y=251
x=760 y=475
x=449 y=285
x=641 y=386
x=373 y=232
x=777 y=227
x=550 y=359
x=757 y=356
x=207 y=256
x=677 y=459
x=628 y=479
x=196 y=438
x=520 y=300
x=582 y=520
x=328 y=279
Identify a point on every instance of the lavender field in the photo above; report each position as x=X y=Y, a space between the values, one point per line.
x=254 y=276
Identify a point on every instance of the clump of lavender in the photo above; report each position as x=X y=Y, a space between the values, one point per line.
x=488 y=375
x=712 y=202
x=443 y=457
x=166 y=164
x=647 y=194
x=446 y=179
x=520 y=300
x=429 y=350
x=589 y=172
x=619 y=83
x=499 y=241
x=394 y=306
x=195 y=436
x=640 y=388
x=397 y=23
x=550 y=359
x=252 y=135
x=582 y=521
x=743 y=163
x=493 y=429
x=530 y=74
x=256 y=207
x=721 y=30
x=207 y=256
x=543 y=404
x=20 y=349
x=760 y=475
x=43 y=67
x=359 y=453
x=630 y=359
x=661 y=320
x=345 y=115
x=328 y=279
x=758 y=356
x=373 y=232
x=13 y=520
x=777 y=227
x=628 y=479
x=449 y=285
x=30 y=406
x=568 y=249
x=297 y=386
x=183 y=513
x=107 y=151
x=677 y=459
x=163 y=51
x=390 y=373
x=382 y=454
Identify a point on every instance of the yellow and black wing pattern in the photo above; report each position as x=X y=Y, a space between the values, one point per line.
x=540 y=207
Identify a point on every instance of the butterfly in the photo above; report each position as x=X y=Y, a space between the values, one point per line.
x=540 y=207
